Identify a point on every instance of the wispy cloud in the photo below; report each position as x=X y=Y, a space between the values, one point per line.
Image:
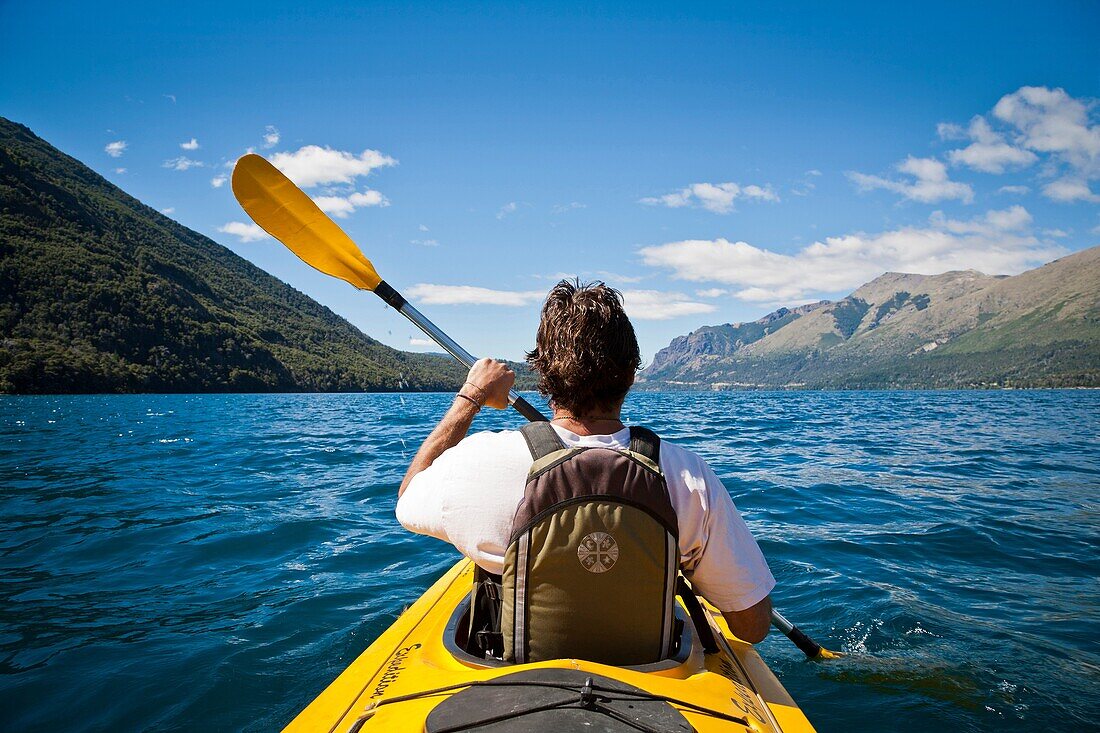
x=653 y=305
x=1070 y=189
x=219 y=180
x=420 y=343
x=120 y=171
x=1000 y=241
x=170 y=97
x=313 y=165
x=244 y=232
x=1035 y=125
x=1014 y=190
x=564 y=208
x=1051 y=121
x=191 y=144
x=183 y=163
x=342 y=206
x=116 y=149
x=716 y=197
x=614 y=277
x=507 y=209
x=431 y=294
x=271 y=136
x=989 y=152
x=425 y=242
x=423 y=228
x=168 y=210
x=930 y=182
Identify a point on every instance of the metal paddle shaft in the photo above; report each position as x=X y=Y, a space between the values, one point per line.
x=405 y=308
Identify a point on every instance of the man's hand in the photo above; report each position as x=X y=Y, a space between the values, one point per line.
x=491 y=381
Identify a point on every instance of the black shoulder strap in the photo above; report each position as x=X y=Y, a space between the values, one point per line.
x=541 y=439
x=645 y=442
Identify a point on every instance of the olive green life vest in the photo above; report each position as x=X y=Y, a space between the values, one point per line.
x=590 y=569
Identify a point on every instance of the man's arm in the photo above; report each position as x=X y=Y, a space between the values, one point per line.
x=752 y=624
x=487 y=384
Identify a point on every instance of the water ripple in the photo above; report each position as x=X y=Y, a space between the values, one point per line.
x=181 y=562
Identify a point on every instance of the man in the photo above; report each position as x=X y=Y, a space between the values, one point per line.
x=465 y=490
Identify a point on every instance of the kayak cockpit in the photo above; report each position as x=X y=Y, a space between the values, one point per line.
x=457 y=639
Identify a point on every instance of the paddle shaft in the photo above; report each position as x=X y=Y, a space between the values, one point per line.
x=808 y=646
x=384 y=291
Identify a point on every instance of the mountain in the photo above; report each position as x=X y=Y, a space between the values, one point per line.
x=1040 y=328
x=101 y=293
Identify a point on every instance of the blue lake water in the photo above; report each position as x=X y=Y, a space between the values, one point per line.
x=211 y=562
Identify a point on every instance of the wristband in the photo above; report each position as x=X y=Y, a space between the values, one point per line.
x=477 y=405
x=479 y=389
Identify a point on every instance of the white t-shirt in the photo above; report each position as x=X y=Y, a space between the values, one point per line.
x=469 y=496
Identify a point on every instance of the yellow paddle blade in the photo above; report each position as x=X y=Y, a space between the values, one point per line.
x=285 y=212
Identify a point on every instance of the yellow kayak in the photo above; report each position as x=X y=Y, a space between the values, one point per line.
x=416 y=677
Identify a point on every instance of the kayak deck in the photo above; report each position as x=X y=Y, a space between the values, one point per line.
x=410 y=660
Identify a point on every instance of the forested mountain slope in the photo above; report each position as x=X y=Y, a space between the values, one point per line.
x=101 y=293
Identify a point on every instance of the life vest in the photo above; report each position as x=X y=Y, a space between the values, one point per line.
x=591 y=565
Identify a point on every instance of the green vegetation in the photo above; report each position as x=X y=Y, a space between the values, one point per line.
x=848 y=314
x=100 y=293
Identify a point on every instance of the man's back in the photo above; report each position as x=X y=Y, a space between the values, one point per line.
x=469 y=495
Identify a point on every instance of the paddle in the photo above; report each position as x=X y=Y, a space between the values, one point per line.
x=285 y=212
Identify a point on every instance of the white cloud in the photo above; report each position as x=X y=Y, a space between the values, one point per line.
x=183 y=163
x=507 y=209
x=313 y=165
x=997 y=242
x=171 y=97
x=420 y=343
x=271 y=136
x=1056 y=233
x=244 y=232
x=712 y=293
x=425 y=242
x=931 y=182
x=1016 y=190
x=116 y=149
x=950 y=131
x=613 y=277
x=1051 y=121
x=423 y=228
x=1068 y=190
x=191 y=144
x=989 y=152
x=563 y=208
x=716 y=197
x=169 y=210
x=653 y=305
x=431 y=294
x=342 y=206
x=219 y=180
x=990 y=224
x=120 y=171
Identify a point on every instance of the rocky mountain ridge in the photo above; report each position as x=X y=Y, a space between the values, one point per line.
x=901 y=330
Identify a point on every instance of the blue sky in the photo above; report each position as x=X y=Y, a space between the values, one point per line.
x=712 y=161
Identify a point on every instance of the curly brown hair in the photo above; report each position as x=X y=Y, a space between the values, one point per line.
x=586 y=352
